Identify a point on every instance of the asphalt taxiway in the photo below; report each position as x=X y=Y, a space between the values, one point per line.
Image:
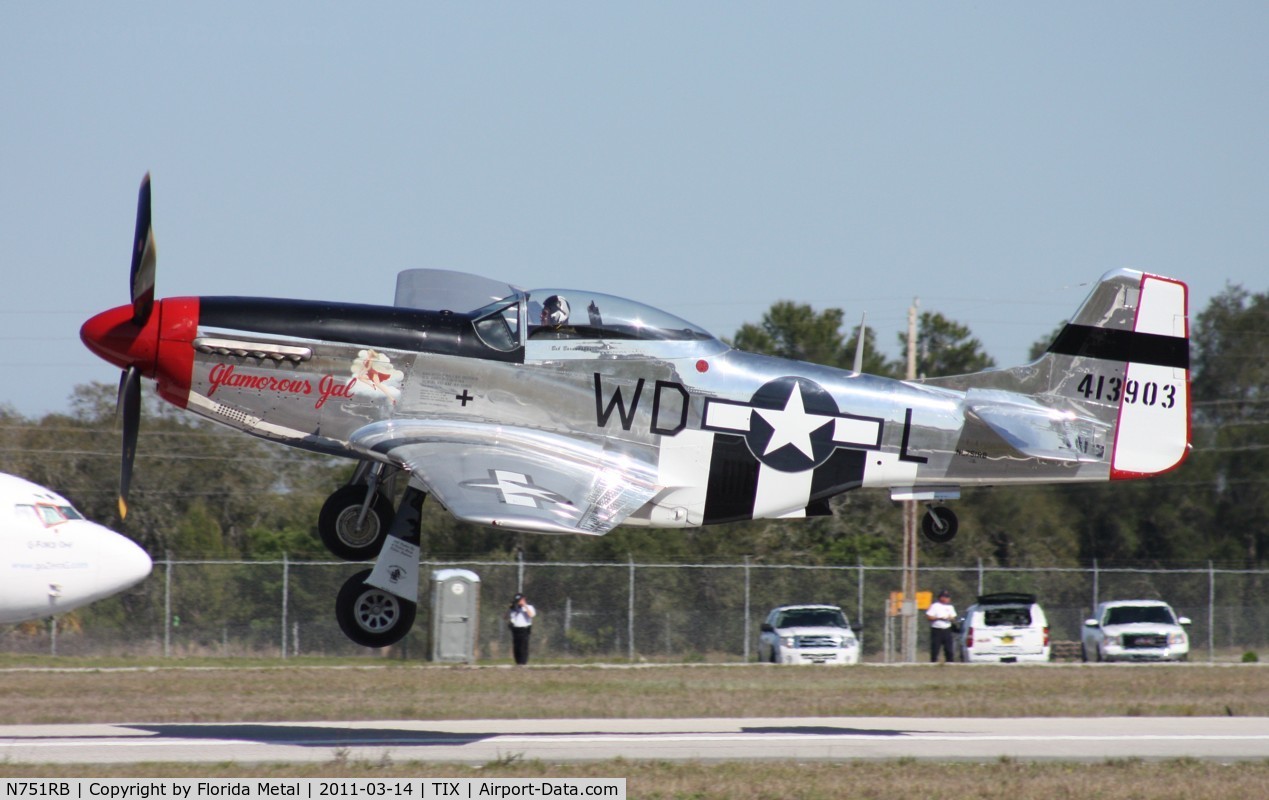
x=801 y=738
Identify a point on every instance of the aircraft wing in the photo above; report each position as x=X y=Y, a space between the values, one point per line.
x=1034 y=429
x=518 y=478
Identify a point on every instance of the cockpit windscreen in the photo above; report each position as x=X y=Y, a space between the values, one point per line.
x=573 y=314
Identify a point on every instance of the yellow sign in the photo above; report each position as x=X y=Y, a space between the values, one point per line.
x=923 y=601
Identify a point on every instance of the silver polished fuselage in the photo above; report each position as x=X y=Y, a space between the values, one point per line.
x=614 y=412
x=728 y=434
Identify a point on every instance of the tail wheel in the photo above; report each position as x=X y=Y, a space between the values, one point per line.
x=337 y=524
x=939 y=524
x=371 y=617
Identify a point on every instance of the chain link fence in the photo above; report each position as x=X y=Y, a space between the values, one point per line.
x=606 y=611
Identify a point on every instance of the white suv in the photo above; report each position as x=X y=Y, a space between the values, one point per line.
x=1135 y=630
x=1004 y=628
x=813 y=634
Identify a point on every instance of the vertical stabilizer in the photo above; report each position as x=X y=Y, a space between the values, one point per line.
x=1126 y=353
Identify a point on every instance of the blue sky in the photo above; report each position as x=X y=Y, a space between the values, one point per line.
x=708 y=158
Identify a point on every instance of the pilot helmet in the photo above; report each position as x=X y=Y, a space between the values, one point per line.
x=554 y=310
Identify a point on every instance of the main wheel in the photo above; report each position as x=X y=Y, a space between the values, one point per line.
x=371 y=617
x=939 y=524
x=337 y=524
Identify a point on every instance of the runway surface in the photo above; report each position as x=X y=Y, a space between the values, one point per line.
x=553 y=741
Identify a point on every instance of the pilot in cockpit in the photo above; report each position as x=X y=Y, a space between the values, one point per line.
x=555 y=311
x=554 y=318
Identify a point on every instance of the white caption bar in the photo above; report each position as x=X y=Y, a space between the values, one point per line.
x=311 y=788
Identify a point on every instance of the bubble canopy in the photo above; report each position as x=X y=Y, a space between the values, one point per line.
x=579 y=314
x=603 y=316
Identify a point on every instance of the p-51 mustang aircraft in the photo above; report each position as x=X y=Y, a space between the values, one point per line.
x=567 y=411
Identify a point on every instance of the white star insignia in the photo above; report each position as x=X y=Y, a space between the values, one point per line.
x=518 y=489
x=792 y=425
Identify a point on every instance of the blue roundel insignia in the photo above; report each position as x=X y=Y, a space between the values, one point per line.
x=792 y=424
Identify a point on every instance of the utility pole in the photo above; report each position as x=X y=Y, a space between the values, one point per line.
x=909 y=612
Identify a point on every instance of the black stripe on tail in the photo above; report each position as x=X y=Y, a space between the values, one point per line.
x=1120 y=345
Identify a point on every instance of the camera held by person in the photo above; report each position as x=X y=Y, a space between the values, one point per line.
x=520 y=619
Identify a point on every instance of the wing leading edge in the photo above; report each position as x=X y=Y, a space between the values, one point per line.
x=517 y=478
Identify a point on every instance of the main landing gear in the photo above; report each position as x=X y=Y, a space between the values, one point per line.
x=355 y=519
x=358 y=523
x=370 y=616
x=939 y=524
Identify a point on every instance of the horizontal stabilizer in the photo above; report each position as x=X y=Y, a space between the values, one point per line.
x=1035 y=430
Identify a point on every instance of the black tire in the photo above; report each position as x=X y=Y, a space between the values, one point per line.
x=1083 y=653
x=940 y=525
x=371 y=617
x=336 y=524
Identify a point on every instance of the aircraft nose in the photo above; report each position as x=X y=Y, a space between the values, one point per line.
x=115 y=337
x=100 y=563
x=124 y=563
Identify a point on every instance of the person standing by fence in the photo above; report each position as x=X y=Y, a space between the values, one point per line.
x=942 y=616
x=520 y=621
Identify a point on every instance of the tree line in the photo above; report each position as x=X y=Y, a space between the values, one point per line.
x=203 y=491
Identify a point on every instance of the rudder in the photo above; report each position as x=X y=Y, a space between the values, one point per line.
x=1127 y=350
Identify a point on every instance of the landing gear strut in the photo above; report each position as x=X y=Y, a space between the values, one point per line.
x=376 y=607
x=355 y=519
x=338 y=527
x=370 y=616
x=939 y=524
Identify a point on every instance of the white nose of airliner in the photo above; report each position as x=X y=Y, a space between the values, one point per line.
x=124 y=563
x=120 y=563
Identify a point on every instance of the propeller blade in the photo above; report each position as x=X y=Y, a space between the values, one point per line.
x=130 y=409
x=143 y=258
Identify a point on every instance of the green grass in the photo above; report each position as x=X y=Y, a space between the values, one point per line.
x=294 y=691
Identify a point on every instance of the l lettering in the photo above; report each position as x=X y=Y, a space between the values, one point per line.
x=907 y=435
